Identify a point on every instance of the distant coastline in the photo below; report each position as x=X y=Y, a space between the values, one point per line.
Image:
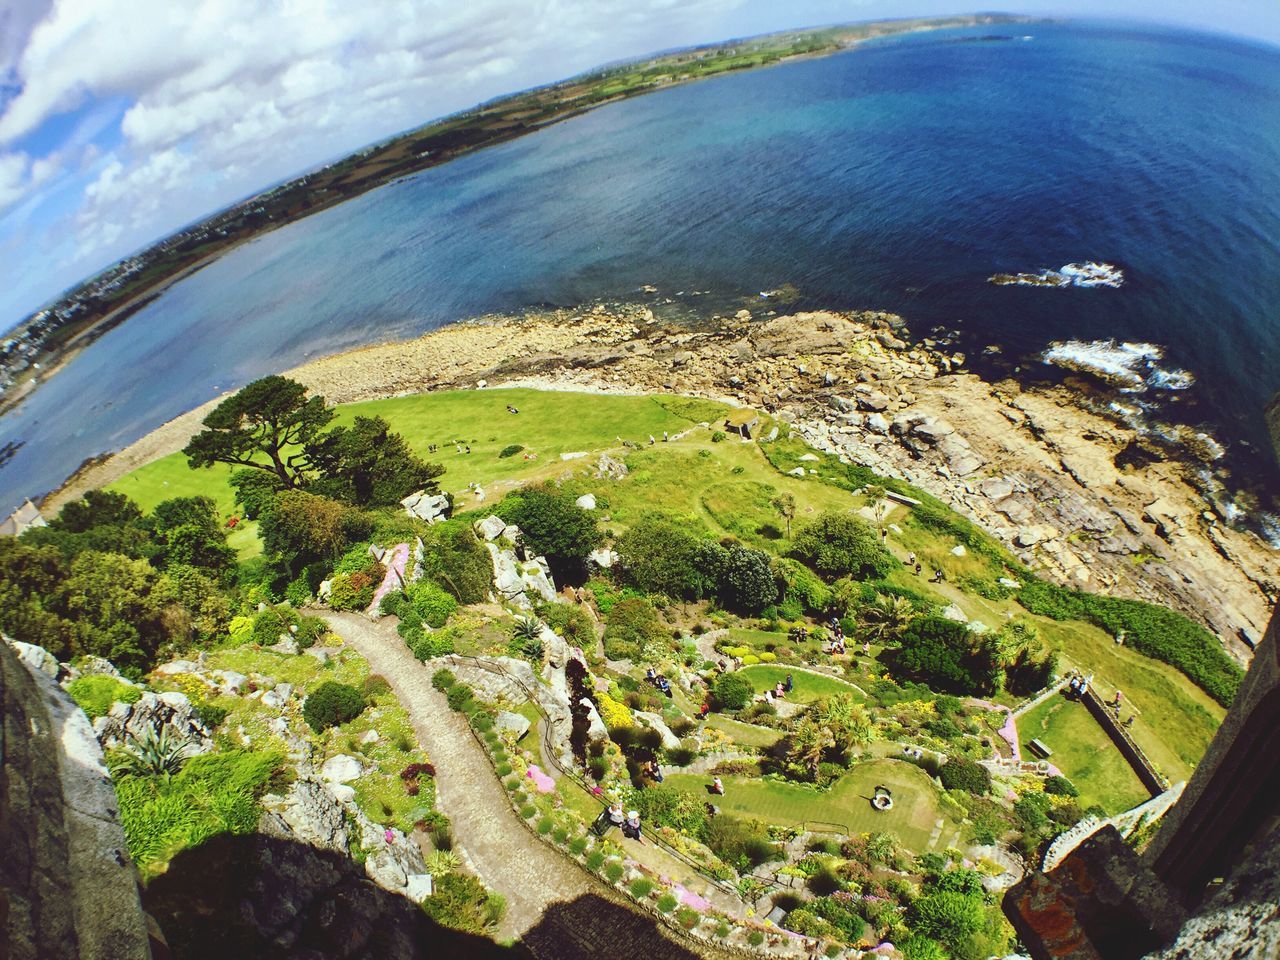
x=97 y=306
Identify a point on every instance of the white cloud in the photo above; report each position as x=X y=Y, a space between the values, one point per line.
x=202 y=102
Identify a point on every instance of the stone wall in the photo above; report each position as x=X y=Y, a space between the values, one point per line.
x=67 y=886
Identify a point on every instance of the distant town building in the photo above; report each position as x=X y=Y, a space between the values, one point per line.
x=22 y=520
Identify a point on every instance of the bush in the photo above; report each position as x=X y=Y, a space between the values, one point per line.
x=443 y=679
x=209 y=714
x=595 y=860
x=94 y=694
x=630 y=627
x=961 y=774
x=545 y=825
x=744 y=579
x=460 y=901
x=553 y=526
x=613 y=871
x=667 y=903
x=947 y=917
x=352 y=591
x=570 y=622
x=665 y=806
x=1059 y=785
x=755 y=938
x=743 y=844
x=731 y=691
x=948 y=656
x=510 y=450
x=426 y=645
x=660 y=556
x=456 y=560
x=376 y=685
x=1157 y=632
x=331 y=704
x=839 y=544
x=640 y=887
x=577 y=846
x=458 y=696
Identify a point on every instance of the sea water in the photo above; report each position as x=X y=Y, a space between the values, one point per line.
x=899 y=175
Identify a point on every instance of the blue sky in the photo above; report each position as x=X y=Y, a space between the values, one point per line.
x=122 y=120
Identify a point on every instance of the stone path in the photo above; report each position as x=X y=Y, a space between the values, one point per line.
x=553 y=905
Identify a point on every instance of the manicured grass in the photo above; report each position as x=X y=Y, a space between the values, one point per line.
x=747 y=734
x=549 y=423
x=808 y=686
x=1084 y=752
x=1174 y=719
x=847 y=804
x=170 y=477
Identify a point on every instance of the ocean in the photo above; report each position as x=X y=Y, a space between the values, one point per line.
x=899 y=175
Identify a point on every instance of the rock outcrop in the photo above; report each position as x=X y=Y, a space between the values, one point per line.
x=518 y=578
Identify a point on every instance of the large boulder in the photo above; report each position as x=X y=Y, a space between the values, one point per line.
x=587 y=501
x=152 y=713
x=432 y=508
x=513 y=723
x=654 y=722
x=341 y=769
x=37 y=658
x=490 y=528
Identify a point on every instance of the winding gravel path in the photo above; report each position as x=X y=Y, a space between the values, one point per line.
x=556 y=908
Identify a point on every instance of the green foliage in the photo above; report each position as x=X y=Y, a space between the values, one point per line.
x=743 y=844
x=640 y=887
x=1060 y=786
x=352 y=591
x=211 y=715
x=570 y=622
x=95 y=694
x=457 y=561
x=152 y=755
x=331 y=704
x=731 y=691
x=461 y=902
x=443 y=679
x=368 y=465
x=254 y=490
x=1157 y=632
x=948 y=656
x=959 y=773
x=947 y=917
x=667 y=807
x=510 y=450
x=215 y=793
x=917 y=947
x=187 y=531
x=431 y=603
x=458 y=696
x=607 y=595
x=666 y=903
x=553 y=526
x=743 y=578
x=630 y=627
x=262 y=426
x=660 y=556
x=802 y=587
x=839 y=544
x=425 y=644
x=300 y=528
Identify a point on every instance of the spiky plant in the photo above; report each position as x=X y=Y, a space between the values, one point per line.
x=526 y=630
x=441 y=862
x=886 y=620
x=152 y=755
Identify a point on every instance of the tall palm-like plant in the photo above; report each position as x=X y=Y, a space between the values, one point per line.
x=809 y=741
x=847 y=720
x=878 y=500
x=785 y=504
x=152 y=755
x=887 y=619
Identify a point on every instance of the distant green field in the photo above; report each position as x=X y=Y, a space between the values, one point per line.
x=808 y=686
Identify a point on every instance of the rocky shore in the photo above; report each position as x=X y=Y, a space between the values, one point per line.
x=1053 y=480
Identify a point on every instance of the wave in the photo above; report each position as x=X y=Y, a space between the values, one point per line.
x=1130 y=366
x=1091 y=273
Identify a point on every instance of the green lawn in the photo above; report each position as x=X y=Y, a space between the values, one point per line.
x=747 y=734
x=1084 y=752
x=808 y=686
x=846 y=805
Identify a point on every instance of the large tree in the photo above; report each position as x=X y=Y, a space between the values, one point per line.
x=300 y=528
x=267 y=425
x=839 y=544
x=554 y=526
x=368 y=465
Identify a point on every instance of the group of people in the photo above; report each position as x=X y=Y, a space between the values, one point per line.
x=779 y=690
x=913 y=563
x=659 y=681
x=628 y=823
x=837 y=643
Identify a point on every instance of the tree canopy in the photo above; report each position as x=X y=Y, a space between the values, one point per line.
x=267 y=425
x=368 y=465
x=839 y=544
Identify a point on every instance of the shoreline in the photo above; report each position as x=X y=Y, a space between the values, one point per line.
x=1028 y=463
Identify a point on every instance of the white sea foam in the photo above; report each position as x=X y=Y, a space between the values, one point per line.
x=1130 y=366
x=1090 y=273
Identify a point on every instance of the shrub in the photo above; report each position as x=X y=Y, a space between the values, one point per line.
x=427 y=645
x=209 y=714
x=554 y=526
x=947 y=917
x=640 y=887
x=744 y=579
x=331 y=704
x=443 y=679
x=961 y=774
x=755 y=938
x=1060 y=786
x=570 y=622
x=660 y=556
x=376 y=685
x=722 y=930
x=353 y=591
x=510 y=450
x=94 y=694
x=948 y=656
x=687 y=917
x=731 y=691
x=667 y=902
x=839 y=544
x=430 y=603
x=665 y=806
x=613 y=713
x=613 y=871
x=528 y=811
x=595 y=860
x=630 y=626
x=743 y=844
x=460 y=901
x=545 y=825
x=458 y=696
x=718 y=436
x=577 y=846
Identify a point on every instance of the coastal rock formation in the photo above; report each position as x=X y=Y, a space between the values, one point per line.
x=152 y=713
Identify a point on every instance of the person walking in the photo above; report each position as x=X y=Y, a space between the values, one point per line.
x=632 y=828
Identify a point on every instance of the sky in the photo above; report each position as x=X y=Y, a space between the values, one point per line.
x=123 y=120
